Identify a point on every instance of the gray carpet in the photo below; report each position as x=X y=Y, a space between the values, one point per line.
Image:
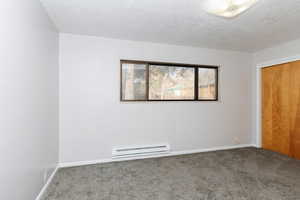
x=239 y=174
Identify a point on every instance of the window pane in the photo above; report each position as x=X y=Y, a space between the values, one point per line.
x=133 y=81
x=171 y=83
x=207 y=84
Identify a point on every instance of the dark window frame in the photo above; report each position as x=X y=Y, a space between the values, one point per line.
x=196 y=87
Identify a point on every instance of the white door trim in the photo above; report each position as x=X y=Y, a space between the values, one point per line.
x=258 y=91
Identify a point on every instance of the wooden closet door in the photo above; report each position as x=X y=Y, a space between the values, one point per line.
x=281 y=109
x=275 y=104
x=295 y=109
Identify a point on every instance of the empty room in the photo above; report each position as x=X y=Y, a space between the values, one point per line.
x=150 y=100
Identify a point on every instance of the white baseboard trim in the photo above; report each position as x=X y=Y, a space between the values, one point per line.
x=172 y=153
x=257 y=146
x=47 y=184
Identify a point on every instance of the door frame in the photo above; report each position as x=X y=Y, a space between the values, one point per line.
x=259 y=67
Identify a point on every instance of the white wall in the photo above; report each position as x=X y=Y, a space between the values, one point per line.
x=28 y=98
x=278 y=54
x=93 y=120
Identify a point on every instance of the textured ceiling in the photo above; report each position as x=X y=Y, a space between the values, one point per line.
x=181 y=22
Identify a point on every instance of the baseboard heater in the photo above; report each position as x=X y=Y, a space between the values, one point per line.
x=140 y=151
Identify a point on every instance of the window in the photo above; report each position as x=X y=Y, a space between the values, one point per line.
x=153 y=81
x=171 y=83
x=207 y=83
x=134 y=81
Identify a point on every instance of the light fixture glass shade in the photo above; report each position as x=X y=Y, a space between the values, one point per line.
x=227 y=8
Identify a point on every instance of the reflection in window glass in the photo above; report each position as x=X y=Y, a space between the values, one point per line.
x=133 y=81
x=171 y=83
x=207 y=84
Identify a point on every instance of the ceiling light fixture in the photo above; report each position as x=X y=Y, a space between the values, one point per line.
x=227 y=8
